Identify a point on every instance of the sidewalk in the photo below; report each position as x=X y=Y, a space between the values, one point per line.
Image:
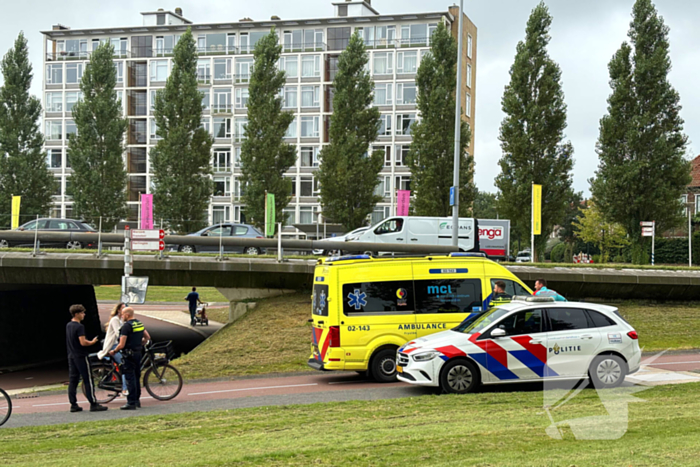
x=174 y=315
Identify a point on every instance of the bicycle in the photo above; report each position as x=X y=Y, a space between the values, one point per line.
x=5 y=407
x=161 y=379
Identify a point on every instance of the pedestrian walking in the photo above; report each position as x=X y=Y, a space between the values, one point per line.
x=193 y=298
x=78 y=363
x=132 y=336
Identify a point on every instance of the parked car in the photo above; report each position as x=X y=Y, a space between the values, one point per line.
x=523 y=257
x=52 y=225
x=342 y=238
x=226 y=231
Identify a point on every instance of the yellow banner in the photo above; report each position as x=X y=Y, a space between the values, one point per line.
x=537 y=209
x=15 y=211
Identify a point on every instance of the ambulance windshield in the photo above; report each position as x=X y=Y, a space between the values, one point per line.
x=478 y=322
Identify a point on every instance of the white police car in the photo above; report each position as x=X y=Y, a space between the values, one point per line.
x=529 y=339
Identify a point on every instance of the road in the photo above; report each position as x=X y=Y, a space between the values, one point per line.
x=56 y=372
x=308 y=388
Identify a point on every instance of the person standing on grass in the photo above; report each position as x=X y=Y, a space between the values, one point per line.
x=193 y=298
x=78 y=363
x=132 y=336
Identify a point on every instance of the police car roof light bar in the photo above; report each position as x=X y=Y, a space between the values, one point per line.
x=529 y=298
x=348 y=258
x=468 y=255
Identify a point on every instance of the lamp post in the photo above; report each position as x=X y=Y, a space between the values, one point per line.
x=458 y=130
x=689 y=206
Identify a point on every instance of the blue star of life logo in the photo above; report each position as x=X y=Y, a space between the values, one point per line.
x=357 y=299
x=322 y=301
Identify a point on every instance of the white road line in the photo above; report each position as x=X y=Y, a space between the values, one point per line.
x=670 y=363
x=252 y=389
x=58 y=403
x=349 y=382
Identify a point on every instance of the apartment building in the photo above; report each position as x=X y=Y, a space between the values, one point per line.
x=311 y=47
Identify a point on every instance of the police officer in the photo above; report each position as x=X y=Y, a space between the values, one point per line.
x=132 y=336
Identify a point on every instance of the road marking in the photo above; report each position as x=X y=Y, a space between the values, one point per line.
x=348 y=382
x=670 y=363
x=252 y=389
x=79 y=402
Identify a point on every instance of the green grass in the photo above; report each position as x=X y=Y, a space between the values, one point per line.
x=665 y=267
x=487 y=429
x=162 y=294
x=273 y=337
x=663 y=326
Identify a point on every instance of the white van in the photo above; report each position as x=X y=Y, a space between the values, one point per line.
x=422 y=231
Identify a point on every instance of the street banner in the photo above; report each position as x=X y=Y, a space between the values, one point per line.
x=404 y=200
x=15 y=211
x=269 y=215
x=146 y=211
x=536 y=209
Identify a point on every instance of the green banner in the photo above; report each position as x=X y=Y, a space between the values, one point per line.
x=270 y=215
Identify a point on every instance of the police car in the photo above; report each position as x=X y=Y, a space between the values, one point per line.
x=529 y=339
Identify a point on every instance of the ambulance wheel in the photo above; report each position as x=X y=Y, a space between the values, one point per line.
x=607 y=371
x=383 y=366
x=459 y=377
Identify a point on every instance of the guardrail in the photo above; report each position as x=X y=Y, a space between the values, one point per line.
x=272 y=243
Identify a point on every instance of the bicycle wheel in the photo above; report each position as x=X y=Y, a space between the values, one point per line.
x=5 y=407
x=102 y=373
x=163 y=382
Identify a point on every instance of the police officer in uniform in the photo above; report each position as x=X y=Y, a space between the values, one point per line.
x=132 y=336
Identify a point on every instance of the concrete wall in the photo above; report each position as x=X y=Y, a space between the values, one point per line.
x=33 y=319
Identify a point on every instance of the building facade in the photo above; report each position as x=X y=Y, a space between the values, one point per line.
x=311 y=47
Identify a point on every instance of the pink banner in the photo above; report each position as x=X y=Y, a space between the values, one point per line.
x=146 y=211
x=404 y=199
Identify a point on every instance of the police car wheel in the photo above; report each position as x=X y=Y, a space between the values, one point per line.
x=459 y=377
x=383 y=366
x=607 y=371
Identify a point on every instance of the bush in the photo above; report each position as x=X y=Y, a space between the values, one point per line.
x=618 y=259
x=596 y=259
x=558 y=253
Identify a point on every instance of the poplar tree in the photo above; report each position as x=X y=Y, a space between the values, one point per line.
x=96 y=149
x=642 y=171
x=265 y=157
x=532 y=135
x=431 y=156
x=181 y=160
x=23 y=170
x=348 y=174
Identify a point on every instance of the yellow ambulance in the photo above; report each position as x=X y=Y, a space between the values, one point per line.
x=365 y=308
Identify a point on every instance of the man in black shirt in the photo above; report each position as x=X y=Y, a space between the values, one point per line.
x=78 y=364
x=131 y=338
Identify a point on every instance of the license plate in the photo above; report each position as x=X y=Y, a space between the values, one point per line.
x=399 y=369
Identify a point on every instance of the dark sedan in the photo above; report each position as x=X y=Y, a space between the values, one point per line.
x=225 y=231
x=52 y=225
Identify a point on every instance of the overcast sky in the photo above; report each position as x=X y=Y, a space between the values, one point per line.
x=585 y=35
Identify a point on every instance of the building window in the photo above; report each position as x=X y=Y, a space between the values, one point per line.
x=244 y=68
x=404 y=122
x=406 y=93
x=468 y=105
x=71 y=99
x=402 y=155
x=309 y=127
x=159 y=70
x=292 y=129
x=240 y=124
x=119 y=68
x=383 y=63
x=222 y=69
x=154 y=130
x=469 y=45
x=385 y=125
x=310 y=96
x=309 y=156
x=205 y=124
x=291 y=40
x=206 y=97
x=74 y=73
x=54 y=73
x=310 y=66
x=222 y=186
x=54 y=102
x=203 y=70
x=469 y=75
x=403 y=182
x=222 y=127
x=289 y=216
x=241 y=98
x=54 y=130
x=383 y=93
x=220 y=214
x=290 y=97
x=222 y=160
x=387 y=154
x=245 y=43
x=160 y=19
x=306 y=186
x=339 y=38
x=222 y=100
x=54 y=158
x=407 y=62
x=71 y=129
x=290 y=65
x=306 y=215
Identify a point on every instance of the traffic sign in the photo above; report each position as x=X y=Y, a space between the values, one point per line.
x=647 y=224
x=147 y=245
x=151 y=234
x=647 y=231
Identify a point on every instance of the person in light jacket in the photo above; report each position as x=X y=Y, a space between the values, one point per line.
x=112 y=338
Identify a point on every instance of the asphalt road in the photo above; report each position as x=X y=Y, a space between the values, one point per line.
x=56 y=372
x=308 y=388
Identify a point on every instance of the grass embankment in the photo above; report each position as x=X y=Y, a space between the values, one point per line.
x=162 y=294
x=273 y=337
x=488 y=428
x=662 y=326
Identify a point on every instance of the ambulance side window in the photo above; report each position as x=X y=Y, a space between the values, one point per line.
x=320 y=300
x=448 y=295
x=378 y=297
x=512 y=287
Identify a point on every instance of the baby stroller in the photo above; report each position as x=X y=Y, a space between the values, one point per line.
x=200 y=316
